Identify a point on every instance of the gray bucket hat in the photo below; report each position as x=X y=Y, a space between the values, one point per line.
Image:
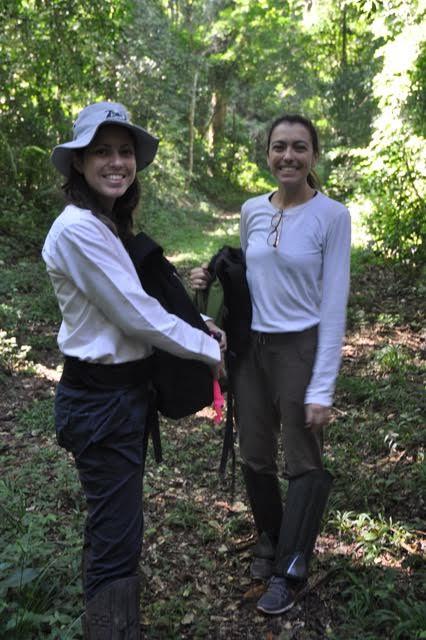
x=85 y=127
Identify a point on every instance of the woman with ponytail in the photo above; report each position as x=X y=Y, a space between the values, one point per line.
x=296 y=243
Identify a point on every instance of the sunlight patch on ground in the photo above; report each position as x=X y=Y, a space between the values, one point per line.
x=227 y=215
x=230 y=231
x=49 y=374
x=183 y=257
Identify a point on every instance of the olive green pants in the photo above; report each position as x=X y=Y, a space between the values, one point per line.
x=270 y=382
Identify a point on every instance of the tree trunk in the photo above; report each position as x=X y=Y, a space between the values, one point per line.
x=344 y=55
x=218 y=119
x=192 y=126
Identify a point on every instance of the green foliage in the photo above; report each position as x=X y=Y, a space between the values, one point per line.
x=31 y=585
x=398 y=221
x=12 y=356
x=415 y=109
x=395 y=160
x=374 y=535
x=341 y=166
x=169 y=614
x=374 y=450
x=393 y=359
x=38 y=419
x=234 y=167
x=345 y=65
x=54 y=48
x=184 y=515
x=52 y=51
x=27 y=308
x=374 y=605
x=358 y=70
x=237 y=66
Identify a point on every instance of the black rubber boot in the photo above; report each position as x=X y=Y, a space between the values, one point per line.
x=263 y=558
x=113 y=613
x=264 y=495
x=306 y=501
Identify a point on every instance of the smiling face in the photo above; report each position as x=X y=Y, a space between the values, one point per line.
x=291 y=155
x=108 y=164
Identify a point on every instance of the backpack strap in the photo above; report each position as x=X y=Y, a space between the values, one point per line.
x=228 y=447
x=141 y=249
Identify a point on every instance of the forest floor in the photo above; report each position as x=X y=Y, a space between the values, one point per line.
x=366 y=582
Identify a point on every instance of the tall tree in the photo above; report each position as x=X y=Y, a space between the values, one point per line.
x=51 y=52
x=395 y=160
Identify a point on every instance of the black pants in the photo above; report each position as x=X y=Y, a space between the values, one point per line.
x=104 y=430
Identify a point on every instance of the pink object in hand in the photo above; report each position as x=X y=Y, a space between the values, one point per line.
x=218 y=401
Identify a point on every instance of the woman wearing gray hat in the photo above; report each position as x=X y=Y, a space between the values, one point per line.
x=109 y=328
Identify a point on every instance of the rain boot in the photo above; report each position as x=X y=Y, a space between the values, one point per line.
x=306 y=501
x=113 y=613
x=264 y=495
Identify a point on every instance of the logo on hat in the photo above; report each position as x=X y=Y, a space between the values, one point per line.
x=115 y=114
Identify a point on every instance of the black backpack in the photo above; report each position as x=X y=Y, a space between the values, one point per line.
x=229 y=266
x=182 y=386
x=227 y=300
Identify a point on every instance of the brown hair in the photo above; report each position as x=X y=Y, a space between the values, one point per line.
x=296 y=118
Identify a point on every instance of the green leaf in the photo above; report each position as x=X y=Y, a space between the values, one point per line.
x=20 y=578
x=369 y=536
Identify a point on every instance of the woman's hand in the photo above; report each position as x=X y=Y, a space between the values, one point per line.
x=316 y=416
x=199 y=277
x=217 y=333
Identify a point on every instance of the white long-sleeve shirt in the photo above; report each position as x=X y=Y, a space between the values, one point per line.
x=107 y=317
x=304 y=281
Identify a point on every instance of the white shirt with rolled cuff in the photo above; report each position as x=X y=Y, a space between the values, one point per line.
x=107 y=317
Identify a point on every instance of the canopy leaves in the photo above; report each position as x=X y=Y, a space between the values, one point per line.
x=207 y=77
